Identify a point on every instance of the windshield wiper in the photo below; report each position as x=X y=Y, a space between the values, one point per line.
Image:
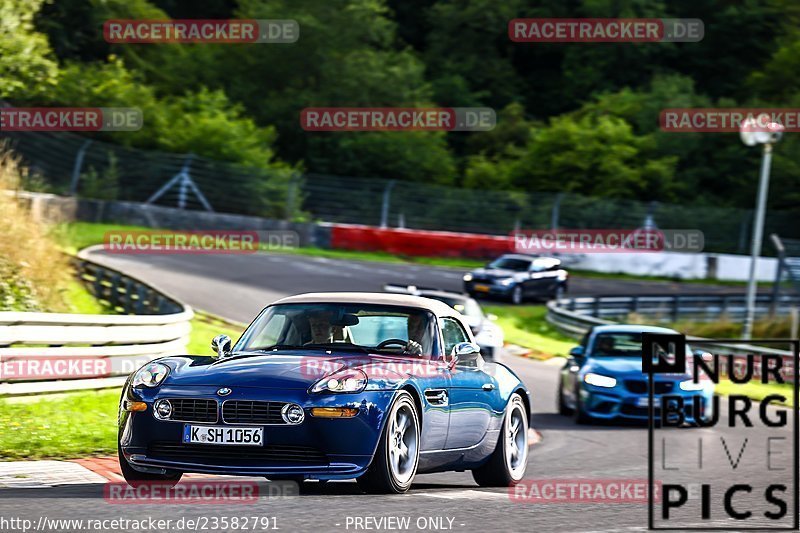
x=338 y=346
x=275 y=347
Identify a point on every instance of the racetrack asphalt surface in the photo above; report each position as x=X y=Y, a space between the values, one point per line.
x=236 y=287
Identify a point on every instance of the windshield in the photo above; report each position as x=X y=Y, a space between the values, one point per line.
x=465 y=306
x=620 y=345
x=510 y=263
x=344 y=327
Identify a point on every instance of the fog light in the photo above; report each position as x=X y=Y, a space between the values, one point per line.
x=334 y=412
x=163 y=409
x=292 y=413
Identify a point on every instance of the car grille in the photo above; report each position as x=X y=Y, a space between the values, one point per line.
x=252 y=412
x=272 y=453
x=193 y=410
x=639 y=386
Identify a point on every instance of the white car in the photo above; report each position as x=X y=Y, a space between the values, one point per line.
x=488 y=335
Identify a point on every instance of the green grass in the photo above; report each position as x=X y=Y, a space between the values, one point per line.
x=63 y=426
x=756 y=390
x=80 y=300
x=526 y=326
x=74 y=236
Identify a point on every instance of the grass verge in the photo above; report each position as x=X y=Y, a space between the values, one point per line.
x=59 y=427
x=526 y=326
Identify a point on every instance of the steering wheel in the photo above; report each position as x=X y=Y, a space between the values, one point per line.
x=389 y=342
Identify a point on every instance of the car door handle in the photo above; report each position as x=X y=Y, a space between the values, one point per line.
x=488 y=386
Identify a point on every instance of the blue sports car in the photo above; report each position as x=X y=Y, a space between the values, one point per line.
x=603 y=378
x=377 y=387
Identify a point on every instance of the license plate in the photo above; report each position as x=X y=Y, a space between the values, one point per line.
x=643 y=402
x=236 y=436
x=481 y=288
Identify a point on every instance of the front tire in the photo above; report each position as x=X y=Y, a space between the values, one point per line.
x=516 y=295
x=563 y=410
x=135 y=479
x=507 y=464
x=395 y=463
x=580 y=415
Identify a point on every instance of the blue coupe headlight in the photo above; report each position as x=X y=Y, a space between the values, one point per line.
x=598 y=380
x=690 y=386
x=150 y=375
x=347 y=380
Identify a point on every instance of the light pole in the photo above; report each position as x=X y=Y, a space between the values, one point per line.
x=753 y=132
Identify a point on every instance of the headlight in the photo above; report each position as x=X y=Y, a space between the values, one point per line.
x=347 y=380
x=506 y=282
x=467 y=277
x=292 y=413
x=150 y=375
x=599 y=380
x=691 y=386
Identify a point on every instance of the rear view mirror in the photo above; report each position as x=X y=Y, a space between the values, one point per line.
x=465 y=352
x=221 y=344
x=577 y=351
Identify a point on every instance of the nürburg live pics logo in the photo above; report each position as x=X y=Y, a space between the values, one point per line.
x=723 y=433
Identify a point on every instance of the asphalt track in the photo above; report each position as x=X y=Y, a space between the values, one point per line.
x=238 y=286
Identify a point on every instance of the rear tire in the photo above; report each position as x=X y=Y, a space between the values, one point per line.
x=395 y=463
x=135 y=479
x=509 y=460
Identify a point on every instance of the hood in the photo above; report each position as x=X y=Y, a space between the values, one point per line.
x=496 y=273
x=289 y=370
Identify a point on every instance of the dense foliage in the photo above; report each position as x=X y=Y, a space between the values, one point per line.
x=571 y=117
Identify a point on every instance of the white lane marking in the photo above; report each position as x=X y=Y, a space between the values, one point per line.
x=466 y=495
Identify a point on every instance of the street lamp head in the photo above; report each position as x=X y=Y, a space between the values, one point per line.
x=760 y=130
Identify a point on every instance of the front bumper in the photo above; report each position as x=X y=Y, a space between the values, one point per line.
x=611 y=404
x=317 y=448
x=491 y=288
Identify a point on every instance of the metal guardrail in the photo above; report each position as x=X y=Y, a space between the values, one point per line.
x=53 y=352
x=671 y=308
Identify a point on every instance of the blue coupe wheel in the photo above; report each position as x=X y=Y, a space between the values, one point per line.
x=395 y=463
x=507 y=464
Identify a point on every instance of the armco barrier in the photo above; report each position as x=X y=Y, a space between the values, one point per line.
x=417 y=242
x=40 y=352
x=565 y=316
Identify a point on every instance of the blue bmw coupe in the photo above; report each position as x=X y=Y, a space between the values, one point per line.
x=377 y=387
x=603 y=378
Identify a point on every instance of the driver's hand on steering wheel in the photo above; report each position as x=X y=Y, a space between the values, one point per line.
x=413 y=348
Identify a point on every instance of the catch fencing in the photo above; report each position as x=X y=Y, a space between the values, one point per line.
x=66 y=163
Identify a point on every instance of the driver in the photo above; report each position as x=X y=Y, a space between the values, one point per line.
x=321 y=329
x=416 y=332
x=605 y=345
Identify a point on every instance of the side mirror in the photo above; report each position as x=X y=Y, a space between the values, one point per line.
x=465 y=352
x=221 y=344
x=577 y=351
